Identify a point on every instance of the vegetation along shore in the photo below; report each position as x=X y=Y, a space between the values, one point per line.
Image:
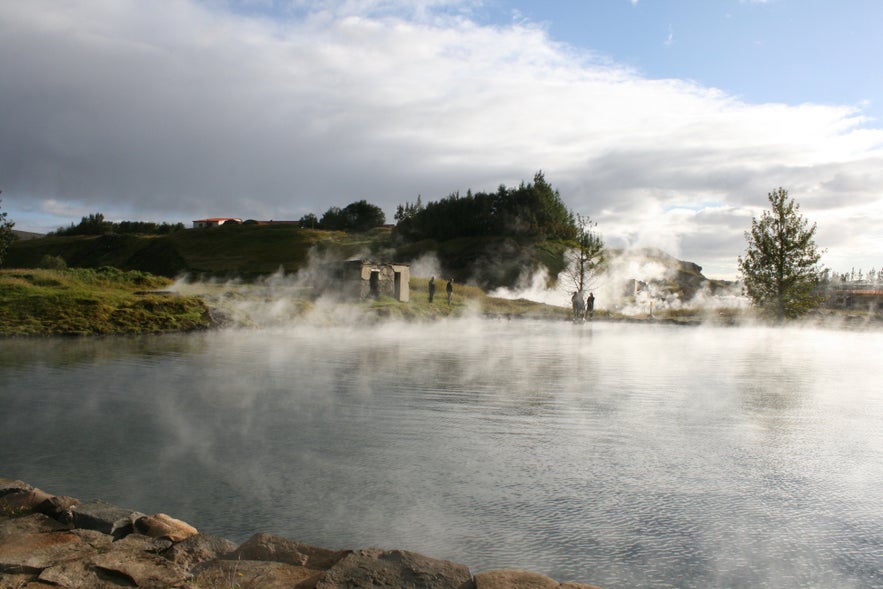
x=102 y=277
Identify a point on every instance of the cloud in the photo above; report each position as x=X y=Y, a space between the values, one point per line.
x=183 y=109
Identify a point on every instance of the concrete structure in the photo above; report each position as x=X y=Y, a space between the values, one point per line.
x=372 y=279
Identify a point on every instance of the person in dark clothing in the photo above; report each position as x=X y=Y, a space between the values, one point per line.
x=590 y=304
x=431 y=288
x=450 y=290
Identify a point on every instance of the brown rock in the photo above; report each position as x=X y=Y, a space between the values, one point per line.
x=142 y=568
x=515 y=579
x=34 y=523
x=394 y=568
x=252 y=574
x=97 y=540
x=164 y=526
x=58 y=507
x=140 y=542
x=12 y=485
x=264 y=546
x=22 y=500
x=104 y=517
x=198 y=549
x=31 y=553
x=80 y=574
x=20 y=581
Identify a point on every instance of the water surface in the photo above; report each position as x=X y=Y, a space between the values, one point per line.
x=619 y=455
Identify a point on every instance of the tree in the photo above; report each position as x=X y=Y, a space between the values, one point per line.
x=531 y=211
x=357 y=216
x=309 y=220
x=362 y=216
x=585 y=257
x=779 y=270
x=6 y=234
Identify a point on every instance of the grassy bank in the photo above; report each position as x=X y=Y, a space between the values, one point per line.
x=93 y=301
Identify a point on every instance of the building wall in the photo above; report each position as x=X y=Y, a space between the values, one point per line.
x=389 y=280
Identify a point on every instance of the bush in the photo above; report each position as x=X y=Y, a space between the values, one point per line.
x=50 y=262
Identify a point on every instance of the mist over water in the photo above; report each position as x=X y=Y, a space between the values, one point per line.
x=618 y=455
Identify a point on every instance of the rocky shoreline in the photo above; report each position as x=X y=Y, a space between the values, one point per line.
x=56 y=541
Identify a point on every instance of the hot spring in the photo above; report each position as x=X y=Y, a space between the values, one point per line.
x=613 y=454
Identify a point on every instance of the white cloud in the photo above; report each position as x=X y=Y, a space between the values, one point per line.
x=183 y=109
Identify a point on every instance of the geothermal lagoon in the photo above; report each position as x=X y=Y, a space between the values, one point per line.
x=615 y=454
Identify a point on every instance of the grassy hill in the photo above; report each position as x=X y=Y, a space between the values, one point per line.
x=86 y=301
x=250 y=251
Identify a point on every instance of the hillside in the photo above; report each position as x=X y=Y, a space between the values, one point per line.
x=87 y=301
x=251 y=251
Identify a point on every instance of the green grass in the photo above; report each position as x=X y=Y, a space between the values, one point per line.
x=93 y=301
x=467 y=300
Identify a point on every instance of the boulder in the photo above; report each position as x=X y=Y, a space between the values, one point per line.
x=34 y=523
x=22 y=500
x=12 y=485
x=254 y=574
x=268 y=547
x=198 y=549
x=105 y=518
x=515 y=579
x=136 y=541
x=58 y=507
x=163 y=526
x=33 y=552
x=144 y=569
x=394 y=568
x=129 y=562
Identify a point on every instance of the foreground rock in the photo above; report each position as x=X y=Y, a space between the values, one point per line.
x=54 y=541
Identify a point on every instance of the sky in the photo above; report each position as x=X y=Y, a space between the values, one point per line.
x=667 y=122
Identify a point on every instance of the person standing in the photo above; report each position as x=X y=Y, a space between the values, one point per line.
x=450 y=290
x=590 y=305
x=431 y=288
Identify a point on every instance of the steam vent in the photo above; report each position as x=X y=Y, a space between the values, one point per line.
x=55 y=541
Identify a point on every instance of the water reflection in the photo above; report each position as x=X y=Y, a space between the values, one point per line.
x=614 y=454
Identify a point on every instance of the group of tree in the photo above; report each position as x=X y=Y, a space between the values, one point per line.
x=872 y=277
x=358 y=216
x=780 y=270
x=95 y=224
x=533 y=210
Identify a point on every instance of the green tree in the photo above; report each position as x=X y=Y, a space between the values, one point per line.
x=309 y=221
x=532 y=211
x=780 y=269
x=94 y=224
x=357 y=216
x=6 y=234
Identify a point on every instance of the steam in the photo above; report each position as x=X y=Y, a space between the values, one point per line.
x=306 y=296
x=426 y=266
x=634 y=283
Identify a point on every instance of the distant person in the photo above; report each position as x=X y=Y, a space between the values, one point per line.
x=590 y=305
x=574 y=302
x=431 y=288
x=450 y=290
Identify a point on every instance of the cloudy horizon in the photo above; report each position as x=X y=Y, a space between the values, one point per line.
x=177 y=110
